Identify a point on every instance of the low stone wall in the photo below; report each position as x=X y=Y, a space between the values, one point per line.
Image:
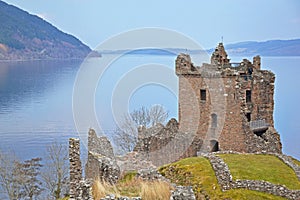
x=288 y=161
x=183 y=193
x=224 y=178
x=221 y=170
x=151 y=175
x=113 y=197
x=264 y=186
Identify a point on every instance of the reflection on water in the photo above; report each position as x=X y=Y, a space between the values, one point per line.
x=36 y=100
x=35 y=104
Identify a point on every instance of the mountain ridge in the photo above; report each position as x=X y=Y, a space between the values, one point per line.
x=24 y=36
x=247 y=48
x=265 y=48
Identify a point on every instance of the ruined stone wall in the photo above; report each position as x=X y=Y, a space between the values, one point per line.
x=232 y=135
x=164 y=144
x=80 y=189
x=99 y=145
x=263 y=96
x=75 y=168
x=227 y=105
x=101 y=163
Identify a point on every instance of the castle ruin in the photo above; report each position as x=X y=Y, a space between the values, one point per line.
x=223 y=106
x=228 y=105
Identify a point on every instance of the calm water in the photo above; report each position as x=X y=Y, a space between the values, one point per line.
x=36 y=100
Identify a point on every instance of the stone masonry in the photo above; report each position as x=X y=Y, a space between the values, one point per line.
x=164 y=144
x=80 y=189
x=75 y=167
x=101 y=161
x=223 y=106
x=229 y=106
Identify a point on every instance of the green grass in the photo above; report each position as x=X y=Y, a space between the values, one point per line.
x=261 y=167
x=65 y=198
x=198 y=172
x=128 y=176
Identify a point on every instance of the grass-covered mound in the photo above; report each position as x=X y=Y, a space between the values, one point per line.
x=261 y=167
x=198 y=173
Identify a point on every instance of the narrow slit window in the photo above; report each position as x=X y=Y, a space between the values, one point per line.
x=203 y=95
x=214 y=122
x=248 y=115
x=248 y=96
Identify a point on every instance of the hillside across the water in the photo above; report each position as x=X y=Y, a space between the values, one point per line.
x=252 y=48
x=27 y=37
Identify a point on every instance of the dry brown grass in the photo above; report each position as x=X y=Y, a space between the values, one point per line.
x=148 y=190
x=100 y=189
x=156 y=190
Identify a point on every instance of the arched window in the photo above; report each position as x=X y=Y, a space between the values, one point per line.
x=214 y=120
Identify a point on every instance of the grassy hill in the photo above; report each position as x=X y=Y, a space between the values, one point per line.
x=198 y=172
x=26 y=36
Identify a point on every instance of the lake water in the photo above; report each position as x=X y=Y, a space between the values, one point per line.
x=36 y=100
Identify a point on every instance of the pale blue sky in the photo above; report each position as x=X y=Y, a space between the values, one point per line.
x=93 y=21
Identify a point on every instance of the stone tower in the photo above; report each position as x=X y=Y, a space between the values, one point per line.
x=229 y=106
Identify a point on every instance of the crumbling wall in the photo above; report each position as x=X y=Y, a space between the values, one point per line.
x=154 y=138
x=164 y=144
x=101 y=162
x=269 y=142
x=75 y=167
x=219 y=101
x=80 y=189
x=99 y=145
